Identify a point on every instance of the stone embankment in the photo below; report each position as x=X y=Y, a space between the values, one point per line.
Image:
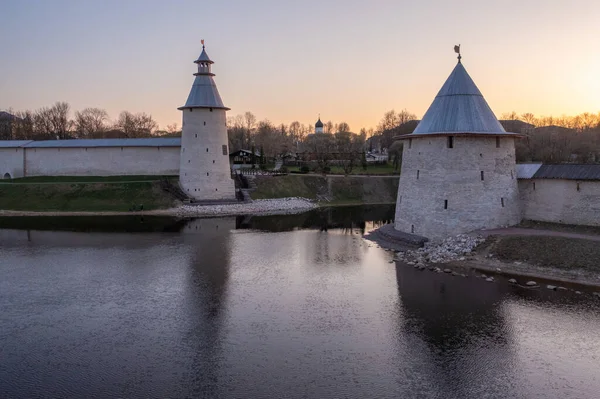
x=280 y=206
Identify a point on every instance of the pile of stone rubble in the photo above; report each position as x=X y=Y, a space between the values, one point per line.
x=269 y=206
x=451 y=249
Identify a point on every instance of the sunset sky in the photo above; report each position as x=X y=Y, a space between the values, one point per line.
x=347 y=60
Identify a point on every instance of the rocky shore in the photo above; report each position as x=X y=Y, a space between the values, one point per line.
x=279 y=206
x=472 y=255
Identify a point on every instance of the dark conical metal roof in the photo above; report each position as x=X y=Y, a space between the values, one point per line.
x=459 y=107
x=319 y=123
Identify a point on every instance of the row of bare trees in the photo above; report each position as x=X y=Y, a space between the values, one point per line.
x=55 y=123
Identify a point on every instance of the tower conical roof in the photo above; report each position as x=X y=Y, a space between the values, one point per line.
x=204 y=93
x=319 y=123
x=459 y=107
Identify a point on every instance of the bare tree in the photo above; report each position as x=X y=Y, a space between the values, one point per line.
x=136 y=125
x=343 y=127
x=90 y=123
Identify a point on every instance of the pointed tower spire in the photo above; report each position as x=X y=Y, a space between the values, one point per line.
x=459 y=107
x=204 y=93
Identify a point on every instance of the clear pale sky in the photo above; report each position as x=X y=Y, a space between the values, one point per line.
x=348 y=60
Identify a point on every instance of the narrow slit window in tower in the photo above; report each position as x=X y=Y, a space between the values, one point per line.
x=224 y=149
x=578 y=188
x=502 y=201
x=206 y=173
x=533 y=186
x=497 y=142
x=412 y=228
x=445 y=204
x=482 y=177
x=213 y=161
x=207 y=150
x=418 y=174
x=196 y=135
x=211 y=110
x=409 y=143
x=450 y=141
x=512 y=175
x=400 y=200
x=204 y=123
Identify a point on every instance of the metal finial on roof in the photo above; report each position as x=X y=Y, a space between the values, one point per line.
x=202 y=41
x=457 y=50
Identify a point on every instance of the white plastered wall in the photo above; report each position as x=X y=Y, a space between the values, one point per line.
x=102 y=161
x=11 y=162
x=204 y=172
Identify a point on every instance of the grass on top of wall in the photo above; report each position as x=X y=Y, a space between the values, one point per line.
x=92 y=197
x=84 y=179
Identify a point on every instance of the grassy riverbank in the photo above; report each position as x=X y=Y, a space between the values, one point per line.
x=331 y=190
x=91 y=197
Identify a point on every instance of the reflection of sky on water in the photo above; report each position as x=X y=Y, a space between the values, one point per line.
x=217 y=312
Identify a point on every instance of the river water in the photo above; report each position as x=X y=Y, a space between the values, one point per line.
x=271 y=307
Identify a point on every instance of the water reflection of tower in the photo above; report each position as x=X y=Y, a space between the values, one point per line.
x=456 y=328
x=208 y=244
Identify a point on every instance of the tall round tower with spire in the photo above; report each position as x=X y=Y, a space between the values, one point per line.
x=458 y=166
x=204 y=172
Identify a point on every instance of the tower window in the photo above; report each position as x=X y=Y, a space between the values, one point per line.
x=534 y=186
x=400 y=200
x=196 y=135
x=207 y=150
x=409 y=143
x=502 y=201
x=418 y=174
x=189 y=160
x=445 y=204
x=216 y=189
x=578 y=188
x=480 y=155
x=450 y=141
x=497 y=142
x=204 y=123
x=412 y=228
x=206 y=173
x=224 y=149
x=210 y=109
x=213 y=161
x=512 y=175
x=482 y=178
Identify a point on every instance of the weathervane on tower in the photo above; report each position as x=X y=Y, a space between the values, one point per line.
x=202 y=41
x=457 y=50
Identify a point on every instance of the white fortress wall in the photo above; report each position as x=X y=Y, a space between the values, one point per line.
x=560 y=201
x=11 y=162
x=204 y=170
x=102 y=161
x=432 y=174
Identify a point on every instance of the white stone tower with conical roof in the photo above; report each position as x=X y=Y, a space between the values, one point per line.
x=204 y=172
x=458 y=166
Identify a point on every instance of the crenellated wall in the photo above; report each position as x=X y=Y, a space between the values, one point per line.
x=442 y=191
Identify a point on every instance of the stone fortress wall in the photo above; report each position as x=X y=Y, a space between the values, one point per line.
x=561 y=201
x=445 y=191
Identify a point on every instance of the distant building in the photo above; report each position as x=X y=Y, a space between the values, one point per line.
x=319 y=126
